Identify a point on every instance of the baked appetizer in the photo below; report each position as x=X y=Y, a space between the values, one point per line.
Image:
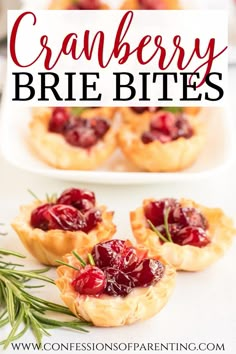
x=119 y=286
x=187 y=235
x=135 y=114
x=50 y=229
x=78 y=5
x=74 y=139
x=150 y=5
x=163 y=142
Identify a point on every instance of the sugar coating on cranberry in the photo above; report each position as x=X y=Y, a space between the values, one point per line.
x=166 y=126
x=90 y=281
x=186 y=225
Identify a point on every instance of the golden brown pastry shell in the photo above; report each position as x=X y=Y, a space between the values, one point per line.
x=189 y=258
x=52 y=245
x=129 y=116
x=109 y=311
x=65 y=4
x=55 y=151
x=156 y=156
x=134 y=5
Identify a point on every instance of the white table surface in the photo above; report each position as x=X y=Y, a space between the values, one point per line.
x=202 y=308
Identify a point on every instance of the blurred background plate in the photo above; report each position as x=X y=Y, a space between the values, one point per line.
x=216 y=156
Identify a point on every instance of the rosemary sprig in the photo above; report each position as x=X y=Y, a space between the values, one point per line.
x=51 y=199
x=166 y=216
x=24 y=311
x=76 y=111
x=91 y=260
x=173 y=109
x=159 y=234
x=166 y=226
x=33 y=195
x=82 y=262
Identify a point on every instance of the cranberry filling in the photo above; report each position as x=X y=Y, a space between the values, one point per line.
x=166 y=126
x=59 y=120
x=187 y=226
x=79 y=132
x=124 y=268
x=80 y=199
x=85 y=5
x=90 y=281
x=140 y=110
x=74 y=210
x=152 y=4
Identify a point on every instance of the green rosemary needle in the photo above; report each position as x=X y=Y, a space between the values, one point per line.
x=24 y=311
x=166 y=226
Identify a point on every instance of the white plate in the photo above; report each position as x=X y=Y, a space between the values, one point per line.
x=217 y=154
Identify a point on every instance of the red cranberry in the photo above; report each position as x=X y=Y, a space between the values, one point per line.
x=92 y=218
x=38 y=219
x=100 y=126
x=89 y=4
x=189 y=217
x=58 y=120
x=184 y=128
x=163 y=122
x=150 y=136
x=64 y=217
x=129 y=259
x=78 y=198
x=118 y=282
x=154 y=211
x=90 y=281
x=139 y=110
x=152 y=4
x=81 y=137
x=147 y=137
x=193 y=236
x=148 y=272
x=107 y=254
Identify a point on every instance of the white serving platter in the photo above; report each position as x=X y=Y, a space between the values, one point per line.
x=216 y=156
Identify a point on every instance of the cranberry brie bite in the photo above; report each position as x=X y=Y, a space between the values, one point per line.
x=136 y=114
x=50 y=229
x=150 y=5
x=189 y=236
x=119 y=286
x=163 y=142
x=78 y=5
x=74 y=139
